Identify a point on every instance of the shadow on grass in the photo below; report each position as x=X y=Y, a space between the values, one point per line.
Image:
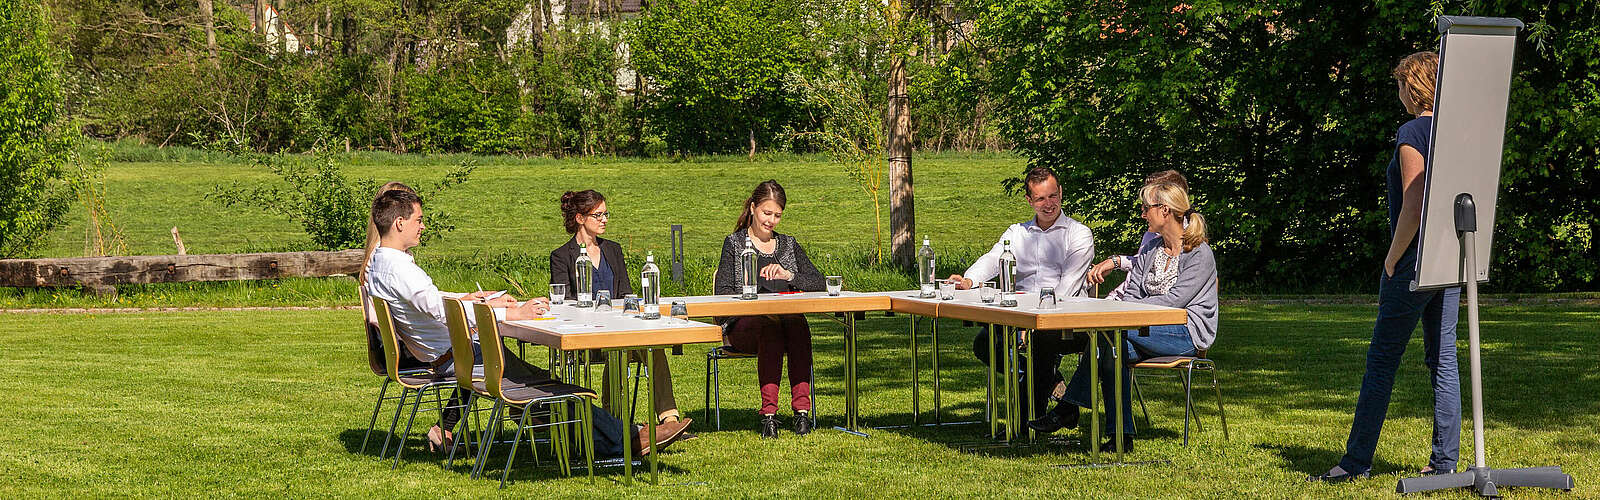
x=532 y=464
x=1314 y=461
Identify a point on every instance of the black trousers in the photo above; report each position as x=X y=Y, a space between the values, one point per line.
x=1049 y=346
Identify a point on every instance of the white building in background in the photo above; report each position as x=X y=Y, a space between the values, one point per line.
x=585 y=15
x=286 y=39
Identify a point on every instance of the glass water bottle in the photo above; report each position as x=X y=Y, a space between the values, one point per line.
x=650 y=288
x=585 y=278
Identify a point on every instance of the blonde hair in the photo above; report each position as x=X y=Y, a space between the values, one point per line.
x=1419 y=72
x=1177 y=199
x=372 y=228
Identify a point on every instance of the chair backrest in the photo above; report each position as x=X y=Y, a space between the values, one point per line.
x=391 y=342
x=369 y=325
x=494 y=363
x=455 y=318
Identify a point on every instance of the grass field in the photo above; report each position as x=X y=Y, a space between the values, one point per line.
x=507 y=219
x=273 y=404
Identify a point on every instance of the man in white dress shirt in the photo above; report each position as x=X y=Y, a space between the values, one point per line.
x=1052 y=251
x=417 y=307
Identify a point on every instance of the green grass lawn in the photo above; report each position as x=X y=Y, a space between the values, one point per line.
x=507 y=220
x=273 y=404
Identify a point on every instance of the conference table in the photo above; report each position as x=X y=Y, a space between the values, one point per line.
x=1019 y=324
x=574 y=332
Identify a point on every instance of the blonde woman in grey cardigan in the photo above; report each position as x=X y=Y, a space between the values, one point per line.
x=1176 y=269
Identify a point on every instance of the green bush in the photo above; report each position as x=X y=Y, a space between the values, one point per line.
x=36 y=140
x=330 y=206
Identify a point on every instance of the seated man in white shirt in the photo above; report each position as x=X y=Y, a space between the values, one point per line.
x=417 y=307
x=1052 y=251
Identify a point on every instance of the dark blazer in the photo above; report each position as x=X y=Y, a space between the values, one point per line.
x=562 y=272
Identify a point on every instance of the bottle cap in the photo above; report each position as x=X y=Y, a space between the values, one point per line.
x=650 y=257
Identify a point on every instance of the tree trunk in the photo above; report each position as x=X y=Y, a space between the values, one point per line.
x=902 y=214
x=283 y=33
x=211 y=31
x=261 y=17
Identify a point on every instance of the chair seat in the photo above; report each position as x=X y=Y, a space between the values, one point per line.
x=417 y=379
x=517 y=393
x=728 y=352
x=1165 y=362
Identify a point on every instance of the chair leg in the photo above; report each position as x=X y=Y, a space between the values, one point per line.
x=716 y=390
x=706 y=415
x=1189 y=399
x=1137 y=394
x=586 y=417
x=463 y=430
x=1221 y=414
x=400 y=405
x=401 y=448
x=486 y=442
x=374 y=421
x=1186 y=408
x=813 y=394
x=516 y=440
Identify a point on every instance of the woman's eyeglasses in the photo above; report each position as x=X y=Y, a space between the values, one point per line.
x=1144 y=207
x=599 y=216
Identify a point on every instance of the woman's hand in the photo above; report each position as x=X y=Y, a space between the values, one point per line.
x=1097 y=274
x=776 y=272
x=1388 y=266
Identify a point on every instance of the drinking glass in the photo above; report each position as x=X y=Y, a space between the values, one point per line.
x=1047 y=298
x=558 y=293
x=602 y=300
x=835 y=284
x=947 y=290
x=630 y=304
x=988 y=293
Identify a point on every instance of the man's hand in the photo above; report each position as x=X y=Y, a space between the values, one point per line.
x=1388 y=266
x=478 y=295
x=961 y=283
x=776 y=272
x=528 y=310
x=1097 y=274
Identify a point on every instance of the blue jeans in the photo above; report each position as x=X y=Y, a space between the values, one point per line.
x=1399 y=309
x=1164 y=340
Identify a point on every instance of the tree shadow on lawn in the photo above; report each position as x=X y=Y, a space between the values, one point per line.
x=1313 y=461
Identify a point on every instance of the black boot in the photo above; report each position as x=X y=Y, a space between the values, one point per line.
x=769 y=426
x=1064 y=416
x=1110 y=446
x=803 y=423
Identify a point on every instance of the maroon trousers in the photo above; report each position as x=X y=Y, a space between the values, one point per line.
x=770 y=338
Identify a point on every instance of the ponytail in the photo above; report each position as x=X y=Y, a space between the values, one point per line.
x=1176 y=198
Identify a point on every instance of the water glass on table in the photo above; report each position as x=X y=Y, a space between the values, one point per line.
x=558 y=293
x=947 y=289
x=988 y=293
x=835 y=285
x=1047 y=298
x=602 y=300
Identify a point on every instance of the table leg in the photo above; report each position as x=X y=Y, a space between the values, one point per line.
x=650 y=369
x=937 y=409
x=1012 y=409
x=1033 y=412
x=916 y=402
x=1117 y=347
x=994 y=417
x=1094 y=396
x=614 y=390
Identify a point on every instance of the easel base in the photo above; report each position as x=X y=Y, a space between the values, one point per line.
x=1486 y=481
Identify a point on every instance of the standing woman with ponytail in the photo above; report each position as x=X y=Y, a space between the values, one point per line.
x=1175 y=269
x=1399 y=308
x=782 y=267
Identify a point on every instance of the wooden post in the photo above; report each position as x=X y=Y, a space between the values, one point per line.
x=902 y=213
x=178 y=240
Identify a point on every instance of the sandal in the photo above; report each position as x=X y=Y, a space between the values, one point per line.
x=439 y=440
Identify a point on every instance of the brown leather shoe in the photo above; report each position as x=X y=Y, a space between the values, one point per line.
x=665 y=435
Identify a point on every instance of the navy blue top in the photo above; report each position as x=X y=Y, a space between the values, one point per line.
x=603 y=276
x=1417 y=133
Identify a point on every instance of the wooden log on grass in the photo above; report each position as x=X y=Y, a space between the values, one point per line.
x=141 y=269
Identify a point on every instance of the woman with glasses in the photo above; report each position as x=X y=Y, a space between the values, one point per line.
x=585 y=216
x=1175 y=269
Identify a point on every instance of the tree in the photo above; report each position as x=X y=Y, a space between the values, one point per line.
x=36 y=186
x=716 y=69
x=1282 y=117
